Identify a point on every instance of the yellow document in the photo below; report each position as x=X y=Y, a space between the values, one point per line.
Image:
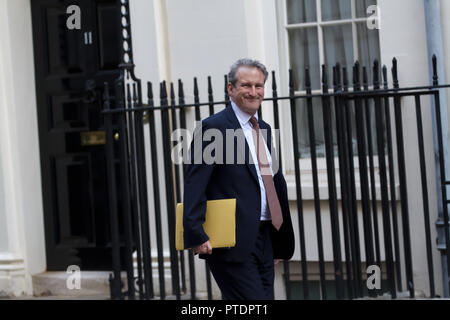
x=220 y=224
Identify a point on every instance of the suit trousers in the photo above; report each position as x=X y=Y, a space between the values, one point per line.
x=249 y=280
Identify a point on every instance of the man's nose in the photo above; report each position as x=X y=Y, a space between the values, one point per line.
x=253 y=90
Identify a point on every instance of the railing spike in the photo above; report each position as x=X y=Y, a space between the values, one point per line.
x=435 y=72
x=356 y=74
x=210 y=96
x=160 y=90
x=324 y=76
x=164 y=89
x=335 y=78
x=345 y=78
x=395 y=72
x=195 y=87
x=149 y=90
x=307 y=79
x=227 y=97
x=172 y=92
x=291 y=81
x=376 y=77
x=181 y=99
x=210 y=90
x=385 y=77
x=365 y=78
x=338 y=76
x=274 y=81
x=180 y=91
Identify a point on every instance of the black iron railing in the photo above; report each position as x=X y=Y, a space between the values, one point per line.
x=348 y=114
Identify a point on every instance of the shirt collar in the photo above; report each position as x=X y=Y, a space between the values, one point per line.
x=243 y=117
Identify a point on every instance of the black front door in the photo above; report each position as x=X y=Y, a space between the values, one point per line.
x=71 y=68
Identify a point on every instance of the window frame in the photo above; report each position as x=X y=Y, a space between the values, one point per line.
x=285 y=62
x=320 y=24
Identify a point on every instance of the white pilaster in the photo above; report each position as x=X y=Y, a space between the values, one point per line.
x=403 y=35
x=23 y=251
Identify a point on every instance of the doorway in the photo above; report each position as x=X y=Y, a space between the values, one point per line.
x=71 y=67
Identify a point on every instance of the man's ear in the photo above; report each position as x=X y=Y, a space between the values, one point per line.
x=230 y=88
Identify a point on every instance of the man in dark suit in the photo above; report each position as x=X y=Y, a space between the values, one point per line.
x=264 y=233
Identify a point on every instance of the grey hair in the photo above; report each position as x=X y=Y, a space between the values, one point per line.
x=246 y=62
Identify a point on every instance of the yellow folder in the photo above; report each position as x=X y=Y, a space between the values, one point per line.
x=220 y=224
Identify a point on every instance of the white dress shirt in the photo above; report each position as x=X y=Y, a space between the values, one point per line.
x=244 y=120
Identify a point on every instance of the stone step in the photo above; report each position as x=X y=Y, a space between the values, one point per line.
x=94 y=285
x=91 y=284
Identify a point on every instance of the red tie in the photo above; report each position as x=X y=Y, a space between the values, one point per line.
x=266 y=173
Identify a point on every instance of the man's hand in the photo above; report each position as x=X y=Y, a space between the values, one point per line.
x=276 y=261
x=204 y=248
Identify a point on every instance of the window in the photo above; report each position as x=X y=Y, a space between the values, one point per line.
x=326 y=32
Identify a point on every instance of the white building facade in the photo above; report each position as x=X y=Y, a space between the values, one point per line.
x=183 y=39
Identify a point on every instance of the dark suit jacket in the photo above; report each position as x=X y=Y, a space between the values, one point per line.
x=227 y=181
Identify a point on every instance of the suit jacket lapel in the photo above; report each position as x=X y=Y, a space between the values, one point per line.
x=234 y=124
